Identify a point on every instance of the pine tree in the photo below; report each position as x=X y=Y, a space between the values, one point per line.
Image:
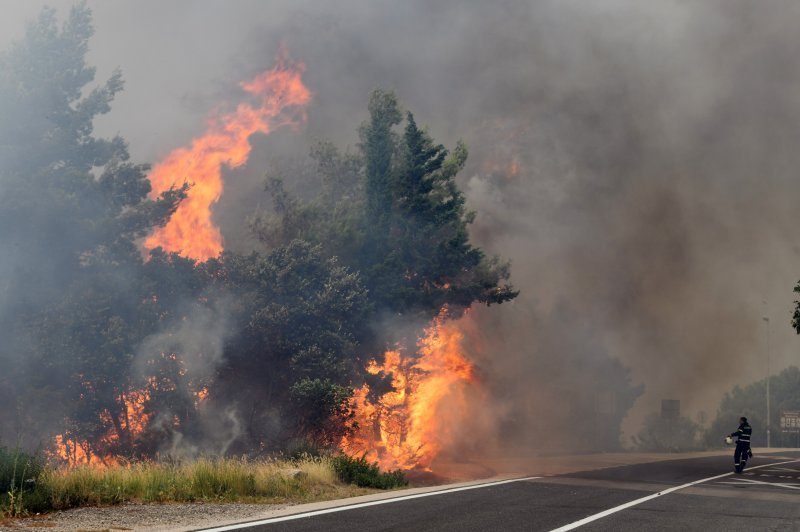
x=424 y=260
x=71 y=208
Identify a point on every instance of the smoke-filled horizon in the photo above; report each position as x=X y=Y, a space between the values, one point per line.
x=634 y=162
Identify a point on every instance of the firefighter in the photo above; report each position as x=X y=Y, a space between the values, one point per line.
x=742 y=452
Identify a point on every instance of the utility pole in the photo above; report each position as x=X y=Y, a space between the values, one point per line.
x=769 y=440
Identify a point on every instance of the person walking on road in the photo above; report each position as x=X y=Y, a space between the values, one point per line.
x=742 y=452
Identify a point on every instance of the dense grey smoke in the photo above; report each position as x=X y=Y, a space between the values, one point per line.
x=199 y=335
x=636 y=161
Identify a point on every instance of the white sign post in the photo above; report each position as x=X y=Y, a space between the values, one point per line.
x=790 y=423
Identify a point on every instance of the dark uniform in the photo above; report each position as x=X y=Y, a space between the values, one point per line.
x=742 y=452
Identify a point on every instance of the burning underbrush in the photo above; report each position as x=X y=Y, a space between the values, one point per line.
x=407 y=427
x=124 y=429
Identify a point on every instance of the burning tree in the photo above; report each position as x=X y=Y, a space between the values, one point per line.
x=115 y=352
x=72 y=207
x=404 y=227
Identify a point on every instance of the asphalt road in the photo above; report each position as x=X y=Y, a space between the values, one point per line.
x=765 y=497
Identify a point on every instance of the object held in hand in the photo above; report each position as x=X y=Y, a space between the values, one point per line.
x=728 y=440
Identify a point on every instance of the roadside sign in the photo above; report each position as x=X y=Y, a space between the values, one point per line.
x=790 y=421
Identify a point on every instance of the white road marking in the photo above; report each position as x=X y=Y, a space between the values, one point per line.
x=636 y=502
x=361 y=505
x=792 y=486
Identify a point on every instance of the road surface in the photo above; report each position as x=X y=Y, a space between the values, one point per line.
x=687 y=494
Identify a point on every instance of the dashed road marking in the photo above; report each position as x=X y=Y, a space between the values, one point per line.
x=776 y=469
x=792 y=486
x=743 y=481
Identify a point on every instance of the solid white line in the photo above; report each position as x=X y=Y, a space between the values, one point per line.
x=362 y=505
x=621 y=507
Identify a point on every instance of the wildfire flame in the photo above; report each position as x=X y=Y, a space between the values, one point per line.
x=200 y=396
x=133 y=423
x=132 y=426
x=407 y=428
x=282 y=98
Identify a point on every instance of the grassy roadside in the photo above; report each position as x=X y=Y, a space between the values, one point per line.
x=208 y=480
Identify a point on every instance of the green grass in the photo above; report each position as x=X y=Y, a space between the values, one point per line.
x=18 y=474
x=362 y=473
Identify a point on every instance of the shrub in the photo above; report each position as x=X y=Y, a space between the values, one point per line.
x=19 y=474
x=364 y=474
x=300 y=449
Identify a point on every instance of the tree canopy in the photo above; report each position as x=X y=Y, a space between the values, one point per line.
x=71 y=207
x=404 y=227
x=751 y=401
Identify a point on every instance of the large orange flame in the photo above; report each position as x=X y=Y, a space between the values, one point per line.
x=282 y=98
x=408 y=427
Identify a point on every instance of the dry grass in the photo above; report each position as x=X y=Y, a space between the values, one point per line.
x=224 y=480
